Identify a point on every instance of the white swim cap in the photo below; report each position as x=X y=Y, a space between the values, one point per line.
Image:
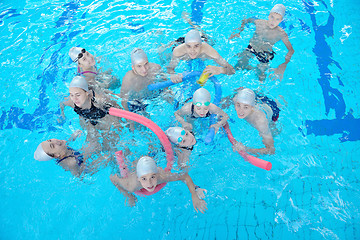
x=175 y=134
x=201 y=95
x=193 y=36
x=246 y=96
x=279 y=9
x=40 y=154
x=145 y=166
x=137 y=56
x=79 y=82
x=74 y=53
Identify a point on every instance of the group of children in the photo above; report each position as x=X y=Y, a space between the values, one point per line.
x=90 y=97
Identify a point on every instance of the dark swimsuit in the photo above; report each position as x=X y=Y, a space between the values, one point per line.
x=264 y=56
x=93 y=114
x=77 y=155
x=272 y=104
x=136 y=106
x=208 y=114
x=187 y=148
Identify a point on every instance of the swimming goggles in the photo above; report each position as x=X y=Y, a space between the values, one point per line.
x=182 y=134
x=80 y=55
x=199 y=104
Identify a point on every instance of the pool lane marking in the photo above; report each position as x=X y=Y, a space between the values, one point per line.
x=16 y=117
x=344 y=124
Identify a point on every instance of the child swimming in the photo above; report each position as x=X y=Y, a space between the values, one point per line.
x=66 y=157
x=267 y=33
x=134 y=89
x=86 y=68
x=200 y=107
x=135 y=82
x=92 y=109
x=165 y=56
x=184 y=141
x=258 y=118
x=194 y=48
x=148 y=177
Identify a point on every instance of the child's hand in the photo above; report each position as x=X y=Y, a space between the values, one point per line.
x=176 y=78
x=132 y=126
x=238 y=146
x=75 y=135
x=199 y=204
x=200 y=192
x=216 y=127
x=130 y=201
x=61 y=119
x=186 y=17
x=187 y=126
x=278 y=72
x=234 y=35
x=213 y=70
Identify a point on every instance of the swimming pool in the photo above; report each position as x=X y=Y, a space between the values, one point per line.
x=312 y=190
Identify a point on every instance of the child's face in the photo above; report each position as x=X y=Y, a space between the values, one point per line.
x=188 y=140
x=87 y=60
x=193 y=49
x=148 y=181
x=78 y=96
x=141 y=68
x=274 y=20
x=201 y=110
x=243 y=110
x=54 y=147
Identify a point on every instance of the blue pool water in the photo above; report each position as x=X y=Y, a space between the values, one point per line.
x=312 y=191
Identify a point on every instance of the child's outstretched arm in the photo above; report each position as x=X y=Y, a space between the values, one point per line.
x=67 y=102
x=265 y=133
x=185 y=110
x=241 y=28
x=199 y=204
x=224 y=117
x=130 y=198
x=279 y=71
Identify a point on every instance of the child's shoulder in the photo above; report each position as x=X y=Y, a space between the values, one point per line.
x=258 y=21
x=210 y=51
x=179 y=50
x=129 y=75
x=155 y=66
x=281 y=31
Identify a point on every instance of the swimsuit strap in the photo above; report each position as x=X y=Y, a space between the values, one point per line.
x=88 y=72
x=192 y=110
x=81 y=73
x=77 y=155
x=93 y=97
